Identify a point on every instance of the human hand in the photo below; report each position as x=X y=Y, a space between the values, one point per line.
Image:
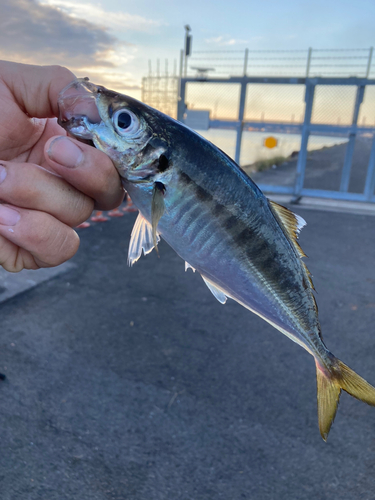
x=49 y=183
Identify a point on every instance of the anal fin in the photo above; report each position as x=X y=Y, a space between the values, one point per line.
x=216 y=291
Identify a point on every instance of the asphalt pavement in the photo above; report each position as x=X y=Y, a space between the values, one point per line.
x=136 y=384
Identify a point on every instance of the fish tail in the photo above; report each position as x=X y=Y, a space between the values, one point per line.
x=330 y=382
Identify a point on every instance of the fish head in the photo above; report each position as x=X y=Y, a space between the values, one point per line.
x=120 y=126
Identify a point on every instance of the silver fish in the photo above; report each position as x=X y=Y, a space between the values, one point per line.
x=213 y=215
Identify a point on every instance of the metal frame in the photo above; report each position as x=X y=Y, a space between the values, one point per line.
x=305 y=129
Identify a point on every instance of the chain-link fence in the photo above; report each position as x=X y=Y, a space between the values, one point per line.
x=341 y=63
x=334 y=104
x=275 y=103
x=305 y=136
x=318 y=107
x=221 y=100
x=366 y=116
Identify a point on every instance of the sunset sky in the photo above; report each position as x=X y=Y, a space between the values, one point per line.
x=112 y=42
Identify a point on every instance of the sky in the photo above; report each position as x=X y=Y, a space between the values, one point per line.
x=112 y=42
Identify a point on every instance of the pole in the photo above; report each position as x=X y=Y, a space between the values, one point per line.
x=308 y=62
x=345 y=175
x=187 y=47
x=302 y=156
x=370 y=178
x=369 y=62
x=241 y=112
x=181 y=62
x=245 y=62
x=181 y=106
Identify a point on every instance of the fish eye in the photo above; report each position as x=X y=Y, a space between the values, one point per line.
x=125 y=122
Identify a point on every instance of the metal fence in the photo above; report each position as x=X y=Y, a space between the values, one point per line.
x=300 y=63
x=303 y=114
x=160 y=87
x=161 y=92
x=319 y=105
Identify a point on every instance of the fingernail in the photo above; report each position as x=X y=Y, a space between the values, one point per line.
x=3 y=172
x=9 y=216
x=63 y=151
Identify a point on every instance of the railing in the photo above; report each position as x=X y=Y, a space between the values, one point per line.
x=301 y=63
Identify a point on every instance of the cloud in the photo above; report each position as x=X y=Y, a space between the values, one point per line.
x=225 y=40
x=36 y=33
x=119 y=81
x=97 y=15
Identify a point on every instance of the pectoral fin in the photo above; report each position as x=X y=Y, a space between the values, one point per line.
x=141 y=239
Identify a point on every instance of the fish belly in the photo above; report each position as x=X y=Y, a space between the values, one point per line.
x=201 y=239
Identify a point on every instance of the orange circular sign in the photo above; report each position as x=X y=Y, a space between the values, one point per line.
x=270 y=142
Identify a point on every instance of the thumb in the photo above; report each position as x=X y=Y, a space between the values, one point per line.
x=35 y=88
x=86 y=168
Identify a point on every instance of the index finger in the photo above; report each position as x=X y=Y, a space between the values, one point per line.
x=35 y=88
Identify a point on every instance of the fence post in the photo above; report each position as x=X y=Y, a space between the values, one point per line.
x=245 y=62
x=302 y=156
x=179 y=85
x=345 y=176
x=308 y=62
x=369 y=62
x=370 y=177
x=181 y=106
x=241 y=112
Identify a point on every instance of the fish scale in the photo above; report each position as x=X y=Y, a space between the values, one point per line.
x=215 y=217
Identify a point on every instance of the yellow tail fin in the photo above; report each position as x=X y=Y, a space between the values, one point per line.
x=330 y=384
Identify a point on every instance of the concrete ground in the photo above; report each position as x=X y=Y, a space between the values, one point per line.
x=136 y=384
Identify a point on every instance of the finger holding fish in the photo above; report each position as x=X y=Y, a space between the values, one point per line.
x=41 y=199
x=30 y=239
x=90 y=171
x=37 y=212
x=27 y=185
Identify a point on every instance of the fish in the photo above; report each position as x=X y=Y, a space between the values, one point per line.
x=196 y=198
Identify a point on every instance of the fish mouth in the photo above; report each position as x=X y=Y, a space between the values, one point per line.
x=78 y=109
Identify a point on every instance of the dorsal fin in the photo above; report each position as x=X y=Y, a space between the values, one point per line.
x=291 y=224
